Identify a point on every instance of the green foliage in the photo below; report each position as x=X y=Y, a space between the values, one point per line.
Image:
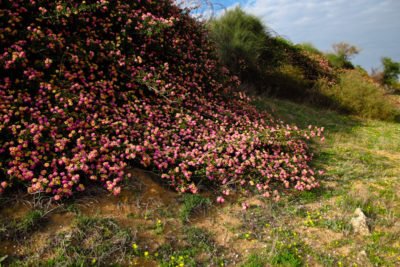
x=342 y=54
x=240 y=39
x=338 y=61
x=29 y=221
x=192 y=204
x=169 y=257
x=199 y=238
x=272 y=64
x=358 y=95
x=391 y=71
x=309 y=47
x=255 y=260
x=197 y=242
x=288 y=81
x=287 y=257
x=297 y=70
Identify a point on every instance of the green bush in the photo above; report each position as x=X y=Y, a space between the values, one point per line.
x=359 y=95
x=240 y=39
x=391 y=71
x=338 y=61
x=343 y=52
x=271 y=64
x=287 y=81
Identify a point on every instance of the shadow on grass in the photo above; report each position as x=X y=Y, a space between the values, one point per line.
x=303 y=115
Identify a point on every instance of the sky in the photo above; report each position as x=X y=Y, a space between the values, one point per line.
x=372 y=25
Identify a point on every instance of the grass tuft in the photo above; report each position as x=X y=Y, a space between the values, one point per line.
x=193 y=204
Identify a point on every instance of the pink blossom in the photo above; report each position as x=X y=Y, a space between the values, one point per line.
x=220 y=200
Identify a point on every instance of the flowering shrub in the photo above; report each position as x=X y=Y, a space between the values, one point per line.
x=88 y=88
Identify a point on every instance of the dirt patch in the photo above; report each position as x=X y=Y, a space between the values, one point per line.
x=318 y=237
x=225 y=225
x=133 y=208
x=141 y=195
x=359 y=190
x=221 y=225
x=15 y=210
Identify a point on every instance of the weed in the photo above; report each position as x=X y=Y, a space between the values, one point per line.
x=340 y=243
x=169 y=257
x=312 y=219
x=367 y=205
x=192 y=204
x=381 y=250
x=337 y=225
x=255 y=260
x=288 y=249
x=199 y=238
x=93 y=241
x=159 y=227
x=20 y=227
x=287 y=256
x=29 y=222
x=71 y=207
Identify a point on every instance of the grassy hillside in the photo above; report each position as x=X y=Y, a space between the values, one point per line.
x=126 y=141
x=148 y=225
x=269 y=64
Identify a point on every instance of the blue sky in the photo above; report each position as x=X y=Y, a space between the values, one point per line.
x=372 y=25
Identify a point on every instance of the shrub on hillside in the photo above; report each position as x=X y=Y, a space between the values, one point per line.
x=342 y=54
x=90 y=88
x=240 y=40
x=310 y=48
x=391 y=72
x=300 y=68
x=248 y=50
x=358 y=94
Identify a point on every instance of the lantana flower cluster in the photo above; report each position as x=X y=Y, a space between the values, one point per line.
x=89 y=88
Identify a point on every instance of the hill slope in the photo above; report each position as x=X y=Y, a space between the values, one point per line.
x=150 y=225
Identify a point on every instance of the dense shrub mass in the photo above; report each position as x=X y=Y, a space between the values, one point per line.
x=241 y=41
x=261 y=60
x=358 y=94
x=88 y=88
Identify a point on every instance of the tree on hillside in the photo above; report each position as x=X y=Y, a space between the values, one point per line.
x=391 y=71
x=342 y=54
x=345 y=50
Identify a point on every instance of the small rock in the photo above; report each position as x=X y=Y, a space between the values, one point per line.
x=362 y=259
x=359 y=223
x=362 y=254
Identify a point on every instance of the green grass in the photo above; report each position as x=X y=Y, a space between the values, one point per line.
x=196 y=241
x=192 y=204
x=199 y=238
x=361 y=159
x=255 y=260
